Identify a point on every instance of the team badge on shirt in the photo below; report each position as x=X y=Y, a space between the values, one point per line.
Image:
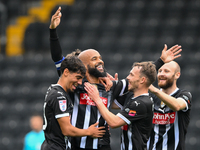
x=63 y=105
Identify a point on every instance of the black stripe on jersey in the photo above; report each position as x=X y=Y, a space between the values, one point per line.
x=81 y=120
x=171 y=139
x=160 y=138
x=93 y=117
x=125 y=139
x=152 y=135
x=176 y=131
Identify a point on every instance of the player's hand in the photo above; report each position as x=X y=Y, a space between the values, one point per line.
x=96 y=132
x=107 y=83
x=153 y=89
x=170 y=54
x=92 y=91
x=55 y=19
x=112 y=78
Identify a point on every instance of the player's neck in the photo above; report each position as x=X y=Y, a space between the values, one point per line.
x=92 y=79
x=139 y=92
x=61 y=83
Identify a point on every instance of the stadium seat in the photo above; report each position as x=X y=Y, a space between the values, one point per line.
x=123 y=31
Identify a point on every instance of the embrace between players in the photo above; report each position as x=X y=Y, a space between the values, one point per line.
x=76 y=109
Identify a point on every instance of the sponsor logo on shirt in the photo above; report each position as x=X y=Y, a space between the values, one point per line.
x=63 y=105
x=85 y=100
x=136 y=103
x=132 y=113
x=163 y=119
x=61 y=97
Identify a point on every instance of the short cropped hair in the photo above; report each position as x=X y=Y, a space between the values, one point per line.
x=73 y=64
x=148 y=70
x=74 y=53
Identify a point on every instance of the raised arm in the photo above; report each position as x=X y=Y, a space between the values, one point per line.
x=56 y=51
x=168 y=55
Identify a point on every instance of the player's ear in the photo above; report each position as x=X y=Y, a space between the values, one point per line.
x=177 y=75
x=143 y=80
x=66 y=72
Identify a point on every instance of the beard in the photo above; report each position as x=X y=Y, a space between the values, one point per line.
x=168 y=83
x=96 y=73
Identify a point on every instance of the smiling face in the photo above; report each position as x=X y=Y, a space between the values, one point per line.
x=93 y=62
x=134 y=79
x=74 y=79
x=167 y=75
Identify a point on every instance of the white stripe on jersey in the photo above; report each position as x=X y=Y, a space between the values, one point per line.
x=62 y=115
x=118 y=104
x=86 y=125
x=95 y=140
x=156 y=130
x=45 y=119
x=165 y=137
x=123 y=88
x=75 y=110
x=130 y=144
x=122 y=143
x=176 y=128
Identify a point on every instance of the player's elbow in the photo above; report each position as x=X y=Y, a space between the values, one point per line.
x=113 y=125
x=176 y=109
x=67 y=132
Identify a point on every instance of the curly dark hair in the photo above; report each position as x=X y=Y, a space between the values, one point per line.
x=73 y=64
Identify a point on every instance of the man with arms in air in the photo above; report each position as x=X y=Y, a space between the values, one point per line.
x=171 y=111
x=85 y=111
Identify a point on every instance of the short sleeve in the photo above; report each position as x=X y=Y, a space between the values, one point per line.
x=187 y=97
x=133 y=111
x=59 y=105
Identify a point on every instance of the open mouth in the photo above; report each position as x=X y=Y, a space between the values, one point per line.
x=100 y=67
x=74 y=86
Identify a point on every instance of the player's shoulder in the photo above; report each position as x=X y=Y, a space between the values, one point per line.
x=185 y=93
x=57 y=92
x=144 y=100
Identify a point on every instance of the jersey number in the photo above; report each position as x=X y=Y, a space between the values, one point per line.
x=45 y=119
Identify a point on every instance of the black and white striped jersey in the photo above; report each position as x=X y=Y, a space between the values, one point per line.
x=57 y=104
x=169 y=127
x=138 y=114
x=85 y=113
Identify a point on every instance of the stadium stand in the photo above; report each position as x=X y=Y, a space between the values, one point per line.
x=123 y=31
